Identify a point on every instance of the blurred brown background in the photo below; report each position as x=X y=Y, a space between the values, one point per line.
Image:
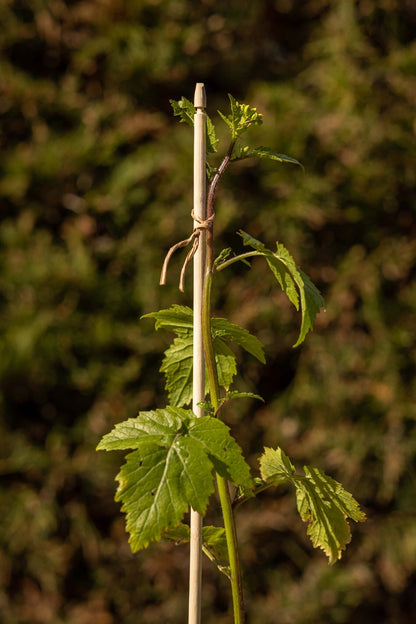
x=96 y=184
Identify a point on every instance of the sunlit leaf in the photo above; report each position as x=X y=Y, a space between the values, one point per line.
x=222 y=327
x=322 y=502
x=184 y=109
x=214 y=543
x=241 y=118
x=264 y=152
x=294 y=282
x=178 y=319
x=171 y=468
x=177 y=363
x=235 y=394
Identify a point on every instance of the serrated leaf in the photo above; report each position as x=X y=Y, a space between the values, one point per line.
x=235 y=394
x=177 y=318
x=222 y=449
x=294 y=282
x=275 y=465
x=212 y=141
x=222 y=256
x=179 y=534
x=241 y=118
x=184 y=109
x=171 y=469
x=214 y=543
x=265 y=152
x=212 y=537
x=155 y=426
x=226 y=363
x=177 y=363
x=322 y=502
x=211 y=171
x=207 y=407
x=157 y=485
x=224 y=328
x=325 y=505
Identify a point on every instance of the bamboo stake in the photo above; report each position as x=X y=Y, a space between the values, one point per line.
x=199 y=208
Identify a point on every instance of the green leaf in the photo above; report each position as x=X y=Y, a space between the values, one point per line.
x=242 y=117
x=179 y=534
x=207 y=407
x=322 y=502
x=171 y=469
x=235 y=394
x=157 y=485
x=325 y=505
x=222 y=256
x=212 y=141
x=265 y=152
x=214 y=543
x=222 y=449
x=211 y=171
x=178 y=319
x=224 y=328
x=275 y=466
x=226 y=363
x=184 y=109
x=177 y=363
x=155 y=426
x=293 y=282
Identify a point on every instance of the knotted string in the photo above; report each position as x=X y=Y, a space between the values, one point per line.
x=194 y=239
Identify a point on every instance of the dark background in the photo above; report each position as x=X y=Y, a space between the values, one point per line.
x=96 y=185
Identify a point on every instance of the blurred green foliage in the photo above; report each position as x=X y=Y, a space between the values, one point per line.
x=95 y=185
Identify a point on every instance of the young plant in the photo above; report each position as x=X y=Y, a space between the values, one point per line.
x=177 y=458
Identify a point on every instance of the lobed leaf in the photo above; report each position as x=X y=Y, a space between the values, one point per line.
x=241 y=118
x=275 y=464
x=171 y=468
x=177 y=365
x=222 y=256
x=226 y=364
x=184 y=109
x=212 y=141
x=157 y=426
x=214 y=543
x=178 y=359
x=235 y=394
x=177 y=318
x=296 y=284
x=322 y=502
x=224 y=328
x=265 y=152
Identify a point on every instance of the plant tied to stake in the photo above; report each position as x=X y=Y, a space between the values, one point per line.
x=177 y=458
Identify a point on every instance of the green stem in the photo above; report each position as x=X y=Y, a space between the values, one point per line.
x=222 y=484
x=227 y=263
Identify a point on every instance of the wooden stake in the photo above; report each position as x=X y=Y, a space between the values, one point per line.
x=199 y=206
